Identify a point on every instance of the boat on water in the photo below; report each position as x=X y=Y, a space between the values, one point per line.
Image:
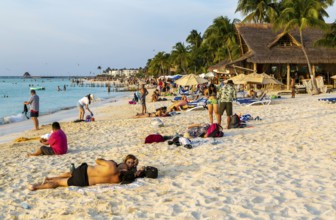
x=37 y=88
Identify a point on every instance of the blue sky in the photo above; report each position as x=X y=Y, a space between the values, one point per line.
x=73 y=37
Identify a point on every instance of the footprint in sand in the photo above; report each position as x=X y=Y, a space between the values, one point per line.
x=312 y=210
x=258 y=199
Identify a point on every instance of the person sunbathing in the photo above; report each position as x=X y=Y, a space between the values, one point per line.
x=106 y=171
x=176 y=106
x=158 y=113
x=130 y=163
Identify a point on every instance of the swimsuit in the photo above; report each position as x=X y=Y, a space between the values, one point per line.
x=212 y=101
x=79 y=176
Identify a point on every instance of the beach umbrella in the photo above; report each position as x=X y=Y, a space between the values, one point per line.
x=261 y=78
x=239 y=79
x=333 y=77
x=190 y=80
x=210 y=75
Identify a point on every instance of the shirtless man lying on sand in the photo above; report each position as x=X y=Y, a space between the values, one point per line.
x=106 y=171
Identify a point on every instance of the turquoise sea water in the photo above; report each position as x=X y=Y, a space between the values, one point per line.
x=15 y=90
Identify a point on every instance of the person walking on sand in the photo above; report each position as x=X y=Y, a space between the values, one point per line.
x=57 y=141
x=225 y=97
x=144 y=93
x=34 y=103
x=106 y=171
x=84 y=102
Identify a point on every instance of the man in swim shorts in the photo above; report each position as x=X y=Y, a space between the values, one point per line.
x=34 y=103
x=106 y=171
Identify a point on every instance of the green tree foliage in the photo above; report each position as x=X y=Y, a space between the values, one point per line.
x=159 y=65
x=329 y=39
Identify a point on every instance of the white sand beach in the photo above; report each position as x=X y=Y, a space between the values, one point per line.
x=281 y=167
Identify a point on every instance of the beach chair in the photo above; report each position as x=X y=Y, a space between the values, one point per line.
x=262 y=100
x=199 y=104
x=328 y=100
x=183 y=92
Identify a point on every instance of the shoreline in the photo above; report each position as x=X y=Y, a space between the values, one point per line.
x=10 y=131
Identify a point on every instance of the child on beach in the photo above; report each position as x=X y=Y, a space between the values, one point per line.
x=57 y=141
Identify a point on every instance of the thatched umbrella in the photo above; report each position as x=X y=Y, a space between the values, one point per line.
x=261 y=78
x=190 y=80
x=239 y=79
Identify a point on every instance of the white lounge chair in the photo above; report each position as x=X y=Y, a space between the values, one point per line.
x=249 y=102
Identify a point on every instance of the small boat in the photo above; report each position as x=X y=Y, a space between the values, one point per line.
x=37 y=88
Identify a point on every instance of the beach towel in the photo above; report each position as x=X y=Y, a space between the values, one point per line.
x=106 y=187
x=22 y=139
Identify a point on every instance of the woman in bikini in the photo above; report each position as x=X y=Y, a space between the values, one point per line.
x=212 y=102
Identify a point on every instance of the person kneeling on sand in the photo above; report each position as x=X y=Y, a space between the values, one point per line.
x=106 y=171
x=57 y=141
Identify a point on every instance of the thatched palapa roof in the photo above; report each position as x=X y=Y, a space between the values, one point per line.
x=263 y=45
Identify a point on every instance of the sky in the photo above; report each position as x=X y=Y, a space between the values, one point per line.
x=74 y=37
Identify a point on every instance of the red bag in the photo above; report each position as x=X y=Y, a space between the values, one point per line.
x=154 y=138
x=215 y=130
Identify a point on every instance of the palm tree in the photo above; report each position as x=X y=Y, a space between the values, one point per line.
x=259 y=11
x=99 y=68
x=300 y=14
x=180 y=57
x=194 y=39
x=159 y=65
x=220 y=39
x=329 y=39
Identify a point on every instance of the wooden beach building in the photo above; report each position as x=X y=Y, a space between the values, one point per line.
x=280 y=54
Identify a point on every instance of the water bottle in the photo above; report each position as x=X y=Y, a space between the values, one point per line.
x=72 y=167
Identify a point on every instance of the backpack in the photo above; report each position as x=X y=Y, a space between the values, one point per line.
x=235 y=121
x=215 y=130
x=154 y=138
x=149 y=172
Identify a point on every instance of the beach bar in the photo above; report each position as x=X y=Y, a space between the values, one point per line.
x=264 y=50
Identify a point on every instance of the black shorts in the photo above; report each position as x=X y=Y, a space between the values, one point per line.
x=225 y=106
x=34 y=114
x=47 y=150
x=79 y=176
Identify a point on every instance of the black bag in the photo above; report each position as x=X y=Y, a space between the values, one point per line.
x=235 y=121
x=149 y=172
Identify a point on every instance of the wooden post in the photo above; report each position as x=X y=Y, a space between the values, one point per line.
x=255 y=67
x=288 y=76
x=313 y=70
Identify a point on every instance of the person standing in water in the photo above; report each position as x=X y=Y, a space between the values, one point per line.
x=34 y=103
